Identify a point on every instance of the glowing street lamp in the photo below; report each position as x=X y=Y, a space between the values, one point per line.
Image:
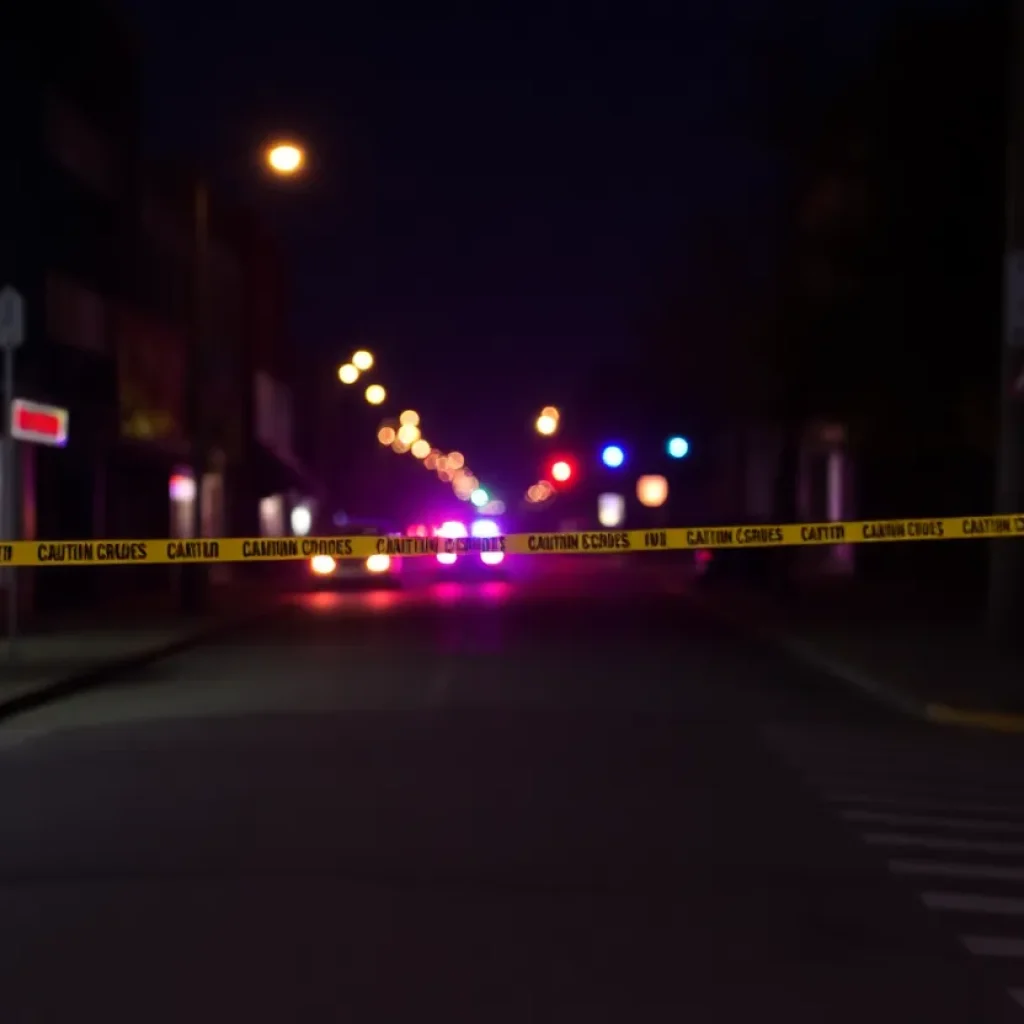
x=375 y=394
x=546 y=424
x=286 y=158
x=362 y=360
x=348 y=374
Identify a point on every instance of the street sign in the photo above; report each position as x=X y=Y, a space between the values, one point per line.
x=42 y=424
x=12 y=317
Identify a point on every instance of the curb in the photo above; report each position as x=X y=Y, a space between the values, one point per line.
x=106 y=672
x=884 y=694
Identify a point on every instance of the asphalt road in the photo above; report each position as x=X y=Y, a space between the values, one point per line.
x=558 y=798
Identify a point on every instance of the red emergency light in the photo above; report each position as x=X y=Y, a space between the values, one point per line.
x=41 y=424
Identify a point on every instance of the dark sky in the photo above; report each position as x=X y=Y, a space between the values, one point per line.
x=494 y=189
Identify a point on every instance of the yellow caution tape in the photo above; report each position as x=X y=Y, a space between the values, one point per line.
x=257 y=549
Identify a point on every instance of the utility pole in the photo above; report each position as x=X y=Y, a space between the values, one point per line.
x=194 y=576
x=1006 y=566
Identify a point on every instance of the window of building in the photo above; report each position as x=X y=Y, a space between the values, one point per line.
x=75 y=315
x=77 y=146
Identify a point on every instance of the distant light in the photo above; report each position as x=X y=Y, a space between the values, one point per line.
x=430 y=462
x=678 y=447
x=546 y=425
x=323 y=565
x=182 y=487
x=456 y=460
x=492 y=557
x=652 y=491
x=386 y=435
x=399 y=447
x=302 y=520
x=285 y=158
x=451 y=529
x=611 y=510
x=378 y=563
x=420 y=449
x=495 y=507
x=409 y=418
x=348 y=374
x=484 y=528
x=408 y=434
x=479 y=497
x=362 y=360
x=375 y=394
x=613 y=456
x=561 y=471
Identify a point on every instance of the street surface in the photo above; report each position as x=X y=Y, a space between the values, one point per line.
x=562 y=796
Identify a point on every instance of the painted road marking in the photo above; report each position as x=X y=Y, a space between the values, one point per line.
x=923 y=820
x=943 y=843
x=956 y=813
x=974 y=903
x=994 y=945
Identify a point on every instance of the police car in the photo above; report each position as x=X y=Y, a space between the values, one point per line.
x=482 y=563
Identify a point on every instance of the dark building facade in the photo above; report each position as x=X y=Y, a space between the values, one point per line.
x=102 y=246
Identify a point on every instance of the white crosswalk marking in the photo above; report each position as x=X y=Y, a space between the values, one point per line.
x=946 y=812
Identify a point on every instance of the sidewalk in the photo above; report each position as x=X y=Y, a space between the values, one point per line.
x=910 y=649
x=64 y=653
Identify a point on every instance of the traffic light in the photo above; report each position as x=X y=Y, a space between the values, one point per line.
x=678 y=447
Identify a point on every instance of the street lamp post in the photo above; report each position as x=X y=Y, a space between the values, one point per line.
x=194 y=576
x=284 y=159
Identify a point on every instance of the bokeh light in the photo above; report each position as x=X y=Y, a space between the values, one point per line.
x=362 y=360
x=561 y=471
x=408 y=434
x=445 y=475
x=285 y=158
x=652 y=491
x=375 y=394
x=456 y=460
x=386 y=435
x=678 y=447
x=399 y=447
x=539 y=492
x=431 y=460
x=348 y=374
x=613 y=456
x=409 y=418
x=611 y=510
x=546 y=425
x=420 y=449
x=479 y=497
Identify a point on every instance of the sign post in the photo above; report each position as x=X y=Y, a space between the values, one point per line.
x=12 y=334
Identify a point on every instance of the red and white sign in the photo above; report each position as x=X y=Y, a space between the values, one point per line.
x=41 y=424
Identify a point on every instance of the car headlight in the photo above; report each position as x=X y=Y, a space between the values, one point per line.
x=378 y=563
x=323 y=565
